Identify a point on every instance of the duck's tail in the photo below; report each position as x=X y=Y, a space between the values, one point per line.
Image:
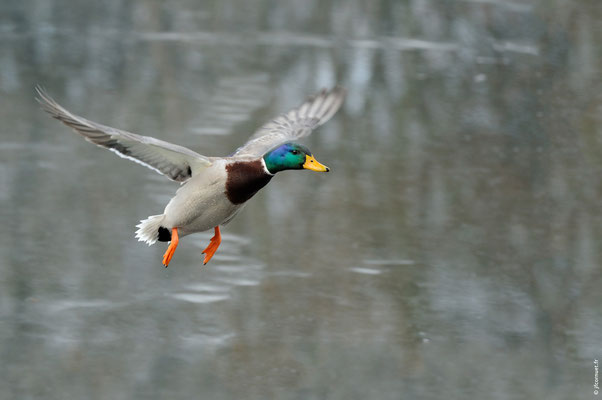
x=150 y=230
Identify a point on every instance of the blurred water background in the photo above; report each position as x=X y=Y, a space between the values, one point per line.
x=453 y=251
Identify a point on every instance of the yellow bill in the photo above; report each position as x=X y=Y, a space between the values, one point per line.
x=312 y=164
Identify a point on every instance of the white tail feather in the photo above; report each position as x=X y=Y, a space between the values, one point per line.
x=148 y=231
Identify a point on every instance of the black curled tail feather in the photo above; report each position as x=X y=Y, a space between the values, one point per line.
x=164 y=234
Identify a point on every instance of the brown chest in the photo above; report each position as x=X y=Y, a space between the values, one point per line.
x=245 y=178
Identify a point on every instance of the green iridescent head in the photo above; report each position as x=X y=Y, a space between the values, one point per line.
x=292 y=156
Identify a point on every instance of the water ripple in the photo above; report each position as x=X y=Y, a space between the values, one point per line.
x=239 y=281
x=398 y=261
x=366 y=271
x=68 y=305
x=200 y=297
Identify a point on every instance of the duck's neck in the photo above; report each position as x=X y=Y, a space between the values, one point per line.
x=245 y=178
x=270 y=166
x=266 y=168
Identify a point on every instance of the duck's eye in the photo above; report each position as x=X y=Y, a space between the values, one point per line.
x=295 y=152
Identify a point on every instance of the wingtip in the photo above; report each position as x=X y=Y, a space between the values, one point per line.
x=337 y=90
x=43 y=98
x=49 y=105
x=41 y=92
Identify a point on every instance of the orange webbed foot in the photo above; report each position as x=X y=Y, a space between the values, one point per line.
x=172 y=247
x=213 y=245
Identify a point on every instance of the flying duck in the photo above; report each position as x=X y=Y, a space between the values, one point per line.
x=214 y=189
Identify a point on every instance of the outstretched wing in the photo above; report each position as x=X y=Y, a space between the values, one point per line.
x=176 y=162
x=295 y=124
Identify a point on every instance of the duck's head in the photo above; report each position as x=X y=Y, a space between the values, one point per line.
x=292 y=156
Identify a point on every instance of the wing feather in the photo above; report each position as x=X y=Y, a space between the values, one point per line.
x=176 y=162
x=294 y=124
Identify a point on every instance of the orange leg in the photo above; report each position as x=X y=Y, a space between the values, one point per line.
x=172 y=247
x=213 y=245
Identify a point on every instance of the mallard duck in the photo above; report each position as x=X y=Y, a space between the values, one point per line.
x=214 y=189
